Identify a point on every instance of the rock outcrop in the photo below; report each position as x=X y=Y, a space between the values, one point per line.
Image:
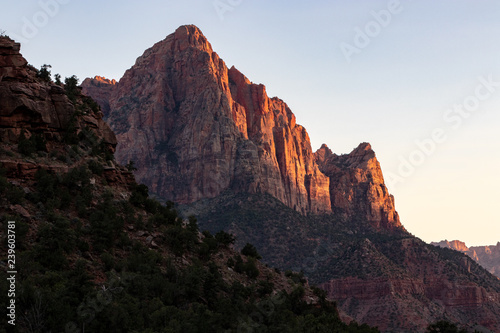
x=357 y=187
x=42 y=115
x=100 y=89
x=196 y=129
x=454 y=245
x=486 y=256
x=30 y=104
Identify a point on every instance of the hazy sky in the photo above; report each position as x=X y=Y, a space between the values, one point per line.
x=419 y=80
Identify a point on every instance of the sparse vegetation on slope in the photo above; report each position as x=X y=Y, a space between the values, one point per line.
x=95 y=253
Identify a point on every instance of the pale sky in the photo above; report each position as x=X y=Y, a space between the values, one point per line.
x=419 y=80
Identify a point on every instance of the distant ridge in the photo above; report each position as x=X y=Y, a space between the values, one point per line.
x=486 y=256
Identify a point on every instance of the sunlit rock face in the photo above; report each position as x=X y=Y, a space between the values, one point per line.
x=357 y=186
x=195 y=128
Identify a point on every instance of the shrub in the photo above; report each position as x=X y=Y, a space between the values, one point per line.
x=71 y=87
x=265 y=288
x=44 y=73
x=58 y=79
x=230 y=262
x=224 y=238
x=139 y=195
x=131 y=166
x=105 y=223
x=108 y=261
x=54 y=241
x=251 y=269
x=15 y=195
x=95 y=167
x=444 y=326
x=296 y=277
x=250 y=251
x=180 y=239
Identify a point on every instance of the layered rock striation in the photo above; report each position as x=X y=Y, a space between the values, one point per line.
x=41 y=115
x=416 y=287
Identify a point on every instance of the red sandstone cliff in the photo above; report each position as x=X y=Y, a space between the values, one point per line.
x=417 y=286
x=196 y=129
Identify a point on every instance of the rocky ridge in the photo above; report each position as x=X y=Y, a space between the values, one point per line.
x=486 y=256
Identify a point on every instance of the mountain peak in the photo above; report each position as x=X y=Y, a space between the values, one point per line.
x=191 y=36
x=322 y=153
x=364 y=146
x=196 y=129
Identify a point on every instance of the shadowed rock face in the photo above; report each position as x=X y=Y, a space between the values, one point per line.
x=99 y=88
x=423 y=287
x=34 y=106
x=30 y=104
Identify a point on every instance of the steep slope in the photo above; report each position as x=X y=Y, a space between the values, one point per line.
x=206 y=136
x=195 y=129
x=94 y=253
x=388 y=279
x=486 y=256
